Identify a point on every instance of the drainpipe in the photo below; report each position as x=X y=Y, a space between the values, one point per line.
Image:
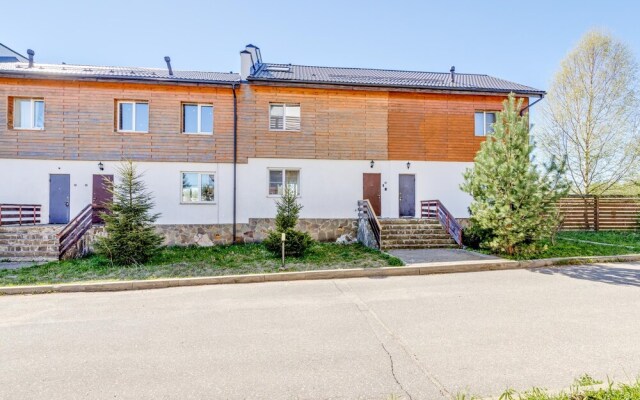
x=531 y=105
x=235 y=157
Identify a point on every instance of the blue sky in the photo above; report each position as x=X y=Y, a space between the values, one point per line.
x=521 y=41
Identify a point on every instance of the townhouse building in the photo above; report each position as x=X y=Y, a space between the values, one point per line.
x=217 y=149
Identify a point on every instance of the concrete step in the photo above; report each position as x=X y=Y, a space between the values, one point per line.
x=435 y=239
x=418 y=246
x=439 y=231
x=417 y=241
x=408 y=221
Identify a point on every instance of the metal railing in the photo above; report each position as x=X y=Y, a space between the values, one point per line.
x=366 y=211
x=435 y=209
x=20 y=214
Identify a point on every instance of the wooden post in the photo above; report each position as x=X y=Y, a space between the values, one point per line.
x=596 y=212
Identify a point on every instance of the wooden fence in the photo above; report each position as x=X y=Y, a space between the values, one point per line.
x=600 y=213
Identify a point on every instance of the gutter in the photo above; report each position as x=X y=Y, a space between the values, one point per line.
x=531 y=105
x=235 y=158
x=531 y=93
x=124 y=79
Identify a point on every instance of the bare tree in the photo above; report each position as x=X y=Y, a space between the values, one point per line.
x=592 y=115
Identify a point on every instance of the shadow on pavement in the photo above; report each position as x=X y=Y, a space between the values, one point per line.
x=597 y=273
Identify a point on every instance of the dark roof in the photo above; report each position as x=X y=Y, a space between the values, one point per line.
x=387 y=78
x=17 y=56
x=68 y=71
x=4 y=59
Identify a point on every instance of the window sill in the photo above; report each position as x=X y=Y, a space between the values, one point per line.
x=199 y=203
x=28 y=129
x=198 y=133
x=132 y=131
x=285 y=130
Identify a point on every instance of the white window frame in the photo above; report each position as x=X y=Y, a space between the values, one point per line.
x=284 y=180
x=484 y=121
x=199 y=105
x=133 y=115
x=200 y=173
x=284 y=117
x=32 y=116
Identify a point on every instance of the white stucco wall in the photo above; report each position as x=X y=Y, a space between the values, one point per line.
x=329 y=188
x=27 y=181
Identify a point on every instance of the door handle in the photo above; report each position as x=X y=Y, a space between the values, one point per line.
x=66 y=203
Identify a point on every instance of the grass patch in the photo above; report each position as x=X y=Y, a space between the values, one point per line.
x=174 y=262
x=582 y=389
x=624 y=238
x=614 y=243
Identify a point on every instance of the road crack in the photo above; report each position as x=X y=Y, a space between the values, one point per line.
x=393 y=372
x=380 y=329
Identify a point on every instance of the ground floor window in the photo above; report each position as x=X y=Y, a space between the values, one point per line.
x=281 y=178
x=198 y=187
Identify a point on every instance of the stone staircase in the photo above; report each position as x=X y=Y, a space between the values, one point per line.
x=414 y=233
x=29 y=243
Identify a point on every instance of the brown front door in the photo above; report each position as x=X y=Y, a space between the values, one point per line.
x=101 y=194
x=371 y=187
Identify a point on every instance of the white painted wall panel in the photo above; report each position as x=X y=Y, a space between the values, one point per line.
x=329 y=188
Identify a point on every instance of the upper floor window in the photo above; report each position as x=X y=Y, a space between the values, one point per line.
x=484 y=121
x=279 y=179
x=28 y=114
x=133 y=116
x=284 y=117
x=197 y=118
x=198 y=187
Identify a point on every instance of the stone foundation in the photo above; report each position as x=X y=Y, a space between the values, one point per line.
x=29 y=242
x=40 y=241
x=255 y=230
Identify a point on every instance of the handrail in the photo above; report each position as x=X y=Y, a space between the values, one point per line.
x=435 y=209
x=75 y=229
x=365 y=210
x=20 y=214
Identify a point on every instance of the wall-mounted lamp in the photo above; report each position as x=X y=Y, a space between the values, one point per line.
x=101 y=166
x=408 y=164
x=372 y=163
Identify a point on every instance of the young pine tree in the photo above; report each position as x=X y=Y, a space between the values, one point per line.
x=296 y=242
x=131 y=238
x=513 y=205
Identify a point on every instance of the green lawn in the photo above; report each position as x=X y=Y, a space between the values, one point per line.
x=582 y=389
x=174 y=262
x=614 y=243
x=625 y=238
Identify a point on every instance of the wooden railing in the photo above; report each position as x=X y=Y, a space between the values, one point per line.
x=435 y=209
x=75 y=229
x=365 y=211
x=20 y=214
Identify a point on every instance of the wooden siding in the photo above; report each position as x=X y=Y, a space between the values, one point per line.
x=436 y=127
x=80 y=122
x=335 y=124
x=338 y=124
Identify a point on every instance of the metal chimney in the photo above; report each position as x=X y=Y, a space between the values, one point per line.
x=31 y=53
x=246 y=63
x=167 y=59
x=453 y=74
